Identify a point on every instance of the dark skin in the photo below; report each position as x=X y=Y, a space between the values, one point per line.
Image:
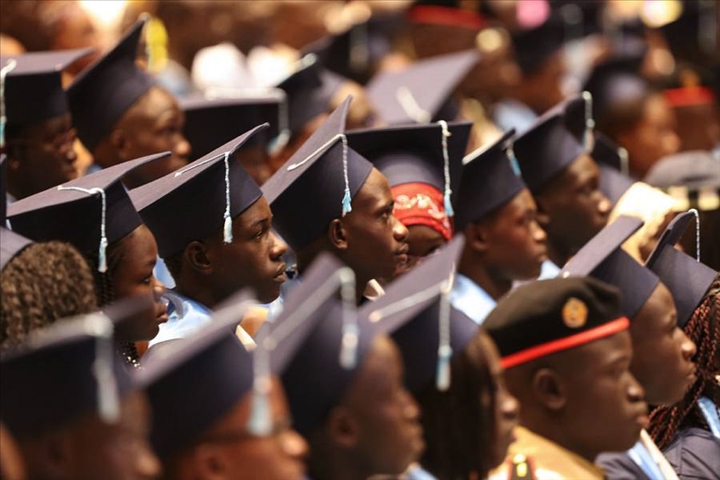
x=229 y=452
x=572 y=209
x=153 y=124
x=506 y=246
x=134 y=277
x=540 y=90
x=11 y=463
x=213 y=270
x=41 y=157
x=662 y=353
x=90 y=449
x=422 y=241
x=376 y=427
x=590 y=385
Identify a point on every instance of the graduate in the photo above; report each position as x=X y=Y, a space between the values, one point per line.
x=120 y=113
x=327 y=197
x=566 y=352
x=452 y=369
x=423 y=164
x=39 y=133
x=203 y=405
x=95 y=215
x=344 y=380
x=70 y=403
x=554 y=157
x=214 y=231
x=504 y=240
x=662 y=353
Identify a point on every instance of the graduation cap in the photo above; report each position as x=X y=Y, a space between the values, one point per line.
x=62 y=373
x=194 y=382
x=316 y=343
x=430 y=154
x=103 y=92
x=210 y=122
x=534 y=46
x=613 y=163
x=33 y=85
x=696 y=169
x=199 y=200
x=603 y=258
x=686 y=277
x=416 y=311
x=422 y=93
x=490 y=178
x=10 y=242
x=555 y=141
x=544 y=317
x=89 y=212
x=317 y=184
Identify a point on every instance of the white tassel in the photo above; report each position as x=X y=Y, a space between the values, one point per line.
x=449 y=211
x=227 y=227
x=9 y=67
x=589 y=140
x=102 y=255
x=442 y=380
x=347 y=198
x=108 y=402
x=102 y=249
x=697 y=232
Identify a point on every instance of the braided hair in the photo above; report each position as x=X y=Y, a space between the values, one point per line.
x=704 y=329
x=40 y=285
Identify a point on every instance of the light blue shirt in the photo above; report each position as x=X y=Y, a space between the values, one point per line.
x=549 y=270
x=185 y=317
x=468 y=297
x=416 y=472
x=644 y=460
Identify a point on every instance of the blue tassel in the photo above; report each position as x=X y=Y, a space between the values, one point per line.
x=515 y=165
x=102 y=255
x=346 y=201
x=227 y=230
x=348 y=350
x=448 y=205
x=443 y=368
x=260 y=423
x=2 y=132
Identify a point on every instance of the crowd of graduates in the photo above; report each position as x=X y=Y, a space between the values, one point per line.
x=340 y=240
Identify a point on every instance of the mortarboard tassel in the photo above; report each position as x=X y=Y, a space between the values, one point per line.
x=102 y=250
x=350 y=331
x=697 y=232
x=260 y=421
x=283 y=138
x=624 y=160
x=227 y=225
x=9 y=67
x=589 y=139
x=446 y=169
x=445 y=350
x=510 y=152
x=411 y=107
x=347 y=198
x=101 y=327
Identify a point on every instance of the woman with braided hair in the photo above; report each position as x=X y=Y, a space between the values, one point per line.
x=42 y=284
x=689 y=431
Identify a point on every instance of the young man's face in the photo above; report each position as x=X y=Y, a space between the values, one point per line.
x=602 y=396
x=253 y=259
x=576 y=207
x=152 y=125
x=235 y=454
x=43 y=156
x=389 y=436
x=376 y=240
x=516 y=244
x=662 y=353
x=134 y=276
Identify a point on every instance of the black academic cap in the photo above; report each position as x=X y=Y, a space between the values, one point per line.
x=103 y=92
x=310 y=189
x=603 y=258
x=490 y=179
x=421 y=93
x=10 y=242
x=414 y=153
x=555 y=141
x=534 y=46
x=86 y=212
x=194 y=382
x=60 y=374
x=549 y=316
x=695 y=169
x=687 y=278
x=33 y=87
x=427 y=332
x=612 y=161
x=210 y=122
x=199 y=200
x=309 y=346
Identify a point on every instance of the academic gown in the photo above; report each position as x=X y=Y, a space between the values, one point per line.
x=642 y=462
x=694 y=453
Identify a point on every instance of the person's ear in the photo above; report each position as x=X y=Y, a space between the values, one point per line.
x=337 y=234
x=197 y=257
x=120 y=144
x=342 y=427
x=476 y=238
x=548 y=389
x=53 y=452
